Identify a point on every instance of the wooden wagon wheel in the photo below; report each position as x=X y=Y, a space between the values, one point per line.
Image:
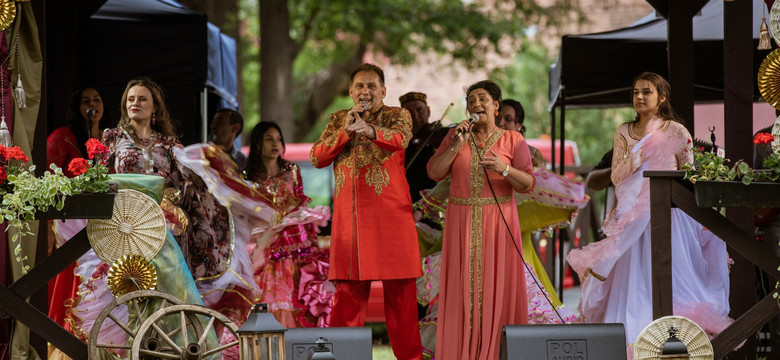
x=188 y=340
x=135 y=303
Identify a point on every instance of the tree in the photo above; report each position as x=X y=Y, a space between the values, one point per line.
x=335 y=36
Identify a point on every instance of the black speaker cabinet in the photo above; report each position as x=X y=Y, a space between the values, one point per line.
x=564 y=342
x=344 y=343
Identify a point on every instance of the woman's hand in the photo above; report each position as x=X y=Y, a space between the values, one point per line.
x=463 y=132
x=494 y=163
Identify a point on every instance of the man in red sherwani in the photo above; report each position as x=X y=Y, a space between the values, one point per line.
x=373 y=235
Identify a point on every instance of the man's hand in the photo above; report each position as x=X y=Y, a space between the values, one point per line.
x=354 y=123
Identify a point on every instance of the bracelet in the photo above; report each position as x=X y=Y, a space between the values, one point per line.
x=529 y=185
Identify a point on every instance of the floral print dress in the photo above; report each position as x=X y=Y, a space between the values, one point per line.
x=199 y=223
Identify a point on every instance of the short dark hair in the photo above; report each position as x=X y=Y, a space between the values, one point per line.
x=368 y=67
x=235 y=118
x=492 y=88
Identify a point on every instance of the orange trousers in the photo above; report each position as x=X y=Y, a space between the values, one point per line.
x=351 y=301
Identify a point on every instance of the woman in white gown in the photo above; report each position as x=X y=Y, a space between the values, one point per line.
x=616 y=271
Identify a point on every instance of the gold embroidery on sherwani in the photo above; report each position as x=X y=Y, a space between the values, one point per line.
x=332 y=131
x=314 y=160
x=378 y=177
x=339 y=178
x=477 y=177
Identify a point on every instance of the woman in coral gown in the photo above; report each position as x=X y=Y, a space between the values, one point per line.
x=482 y=285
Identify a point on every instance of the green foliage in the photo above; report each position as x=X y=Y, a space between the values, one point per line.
x=333 y=32
x=708 y=166
x=27 y=195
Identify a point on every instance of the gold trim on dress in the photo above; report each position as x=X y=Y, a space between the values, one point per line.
x=480 y=201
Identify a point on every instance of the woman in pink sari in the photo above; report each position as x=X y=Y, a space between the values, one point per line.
x=482 y=285
x=616 y=271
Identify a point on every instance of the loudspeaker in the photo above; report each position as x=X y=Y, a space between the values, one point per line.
x=563 y=342
x=344 y=343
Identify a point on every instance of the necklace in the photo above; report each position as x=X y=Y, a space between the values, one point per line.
x=145 y=145
x=482 y=143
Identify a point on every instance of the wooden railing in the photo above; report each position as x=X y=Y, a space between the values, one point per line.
x=667 y=188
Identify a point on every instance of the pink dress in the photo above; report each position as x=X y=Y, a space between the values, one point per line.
x=293 y=262
x=616 y=271
x=482 y=284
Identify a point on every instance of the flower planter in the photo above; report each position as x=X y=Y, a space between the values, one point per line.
x=736 y=194
x=84 y=206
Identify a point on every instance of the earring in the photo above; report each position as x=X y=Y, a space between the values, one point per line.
x=496 y=112
x=154 y=118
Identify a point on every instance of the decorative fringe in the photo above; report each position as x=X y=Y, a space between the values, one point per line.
x=763 y=41
x=5 y=135
x=21 y=98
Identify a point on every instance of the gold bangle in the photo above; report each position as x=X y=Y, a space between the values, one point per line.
x=529 y=185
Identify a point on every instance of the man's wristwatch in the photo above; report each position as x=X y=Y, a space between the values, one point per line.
x=506 y=171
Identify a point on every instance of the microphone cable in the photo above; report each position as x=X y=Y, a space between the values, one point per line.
x=514 y=242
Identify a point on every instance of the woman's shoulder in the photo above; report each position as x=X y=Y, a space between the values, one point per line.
x=62 y=132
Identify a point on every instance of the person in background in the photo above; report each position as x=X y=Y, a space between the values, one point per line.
x=511 y=117
x=86 y=119
x=426 y=137
x=225 y=127
x=282 y=251
x=616 y=271
x=373 y=235
x=482 y=284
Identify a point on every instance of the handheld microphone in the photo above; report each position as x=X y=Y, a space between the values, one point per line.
x=91 y=112
x=472 y=119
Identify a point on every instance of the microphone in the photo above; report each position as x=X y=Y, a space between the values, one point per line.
x=472 y=119
x=91 y=112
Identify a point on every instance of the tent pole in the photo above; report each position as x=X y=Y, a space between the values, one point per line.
x=204 y=116
x=562 y=233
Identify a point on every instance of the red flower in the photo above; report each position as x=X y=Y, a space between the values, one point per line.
x=95 y=147
x=763 y=138
x=3 y=175
x=13 y=153
x=78 y=166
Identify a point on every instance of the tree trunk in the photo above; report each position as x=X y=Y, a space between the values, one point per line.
x=276 y=64
x=324 y=87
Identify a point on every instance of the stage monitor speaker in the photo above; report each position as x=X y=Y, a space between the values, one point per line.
x=345 y=343
x=564 y=342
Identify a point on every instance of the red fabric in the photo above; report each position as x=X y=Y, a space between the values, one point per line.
x=61 y=148
x=373 y=235
x=349 y=309
x=61 y=289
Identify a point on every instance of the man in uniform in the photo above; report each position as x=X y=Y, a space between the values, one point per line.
x=426 y=137
x=373 y=235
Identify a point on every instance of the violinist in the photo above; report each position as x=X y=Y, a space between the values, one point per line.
x=426 y=137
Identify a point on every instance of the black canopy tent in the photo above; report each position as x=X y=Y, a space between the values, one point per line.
x=596 y=70
x=176 y=47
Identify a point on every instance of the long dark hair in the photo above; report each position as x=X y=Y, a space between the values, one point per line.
x=163 y=124
x=665 y=110
x=255 y=168
x=78 y=124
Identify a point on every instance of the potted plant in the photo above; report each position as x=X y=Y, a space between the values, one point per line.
x=27 y=197
x=716 y=184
